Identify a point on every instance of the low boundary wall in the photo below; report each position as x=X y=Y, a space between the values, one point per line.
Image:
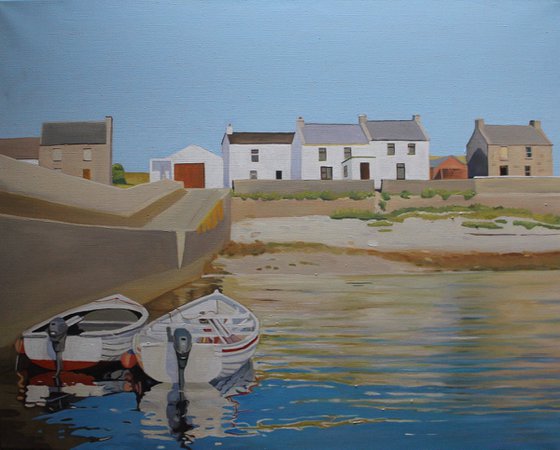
x=298 y=186
x=417 y=186
x=517 y=185
x=481 y=185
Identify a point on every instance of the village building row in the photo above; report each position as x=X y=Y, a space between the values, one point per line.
x=366 y=150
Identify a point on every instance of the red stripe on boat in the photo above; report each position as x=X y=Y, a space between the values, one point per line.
x=66 y=365
x=229 y=350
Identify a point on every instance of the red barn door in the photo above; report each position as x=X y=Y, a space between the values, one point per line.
x=192 y=174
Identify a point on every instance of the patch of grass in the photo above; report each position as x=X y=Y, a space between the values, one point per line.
x=428 y=193
x=382 y=205
x=327 y=195
x=385 y=230
x=530 y=225
x=500 y=221
x=380 y=223
x=237 y=249
x=357 y=195
x=385 y=196
x=361 y=214
x=487 y=225
x=467 y=195
x=405 y=194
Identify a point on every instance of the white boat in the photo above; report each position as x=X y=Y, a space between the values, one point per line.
x=221 y=336
x=82 y=337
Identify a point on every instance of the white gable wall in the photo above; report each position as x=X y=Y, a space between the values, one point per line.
x=417 y=167
x=213 y=164
x=311 y=166
x=272 y=157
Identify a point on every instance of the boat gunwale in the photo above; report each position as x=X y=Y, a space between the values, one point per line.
x=115 y=301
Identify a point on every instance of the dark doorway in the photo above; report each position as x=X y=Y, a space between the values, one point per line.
x=86 y=173
x=364 y=171
x=401 y=172
x=278 y=174
x=504 y=171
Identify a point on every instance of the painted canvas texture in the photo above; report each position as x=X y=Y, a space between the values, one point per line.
x=315 y=225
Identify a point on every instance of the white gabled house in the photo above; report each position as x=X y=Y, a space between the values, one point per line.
x=195 y=166
x=319 y=150
x=369 y=150
x=258 y=156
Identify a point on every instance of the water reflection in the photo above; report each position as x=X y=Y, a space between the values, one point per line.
x=417 y=361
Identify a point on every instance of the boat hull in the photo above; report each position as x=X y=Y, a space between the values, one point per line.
x=88 y=348
x=206 y=362
x=224 y=336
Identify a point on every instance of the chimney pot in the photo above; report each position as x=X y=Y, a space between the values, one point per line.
x=479 y=123
x=535 y=124
x=229 y=130
x=416 y=117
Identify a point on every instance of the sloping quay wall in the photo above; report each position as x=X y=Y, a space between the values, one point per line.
x=417 y=186
x=47 y=267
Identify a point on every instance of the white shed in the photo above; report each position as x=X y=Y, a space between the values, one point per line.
x=195 y=166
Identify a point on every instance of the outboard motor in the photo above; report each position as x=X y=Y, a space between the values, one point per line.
x=57 y=331
x=182 y=344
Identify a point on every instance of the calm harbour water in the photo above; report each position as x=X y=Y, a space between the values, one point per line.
x=462 y=360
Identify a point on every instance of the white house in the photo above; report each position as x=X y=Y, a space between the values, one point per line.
x=319 y=150
x=259 y=156
x=195 y=166
x=401 y=149
x=369 y=150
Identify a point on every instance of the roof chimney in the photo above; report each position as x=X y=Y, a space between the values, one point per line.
x=416 y=118
x=479 y=123
x=535 y=124
x=300 y=122
x=229 y=130
x=362 y=120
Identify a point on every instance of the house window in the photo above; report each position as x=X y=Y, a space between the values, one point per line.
x=87 y=154
x=345 y=171
x=390 y=149
x=255 y=155
x=347 y=152
x=412 y=149
x=527 y=171
x=504 y=171
x=326 y=173
x=253 y=175
x=322 y=154
x=278 y=174
x=503 y=153
x=57 y=154
x=528 y=152
x=401 y=171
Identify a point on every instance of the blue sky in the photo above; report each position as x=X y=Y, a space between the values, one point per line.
x=174 y=73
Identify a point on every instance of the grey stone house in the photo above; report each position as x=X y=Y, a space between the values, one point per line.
x=514 y=150
x=81 y=149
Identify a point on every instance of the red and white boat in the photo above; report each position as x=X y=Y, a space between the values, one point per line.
x=82 y=337
x=221 y=335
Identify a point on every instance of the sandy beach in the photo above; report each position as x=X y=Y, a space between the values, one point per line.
x=321 y=245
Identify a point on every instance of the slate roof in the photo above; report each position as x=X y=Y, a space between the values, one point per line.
x=396 y=130
x=61 y=133
x=260 y=138
x=20 y=148
x=316 y=134
x=514 y=135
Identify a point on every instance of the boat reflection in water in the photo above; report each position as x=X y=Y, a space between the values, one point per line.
x=201 y=410
x=161 y=410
